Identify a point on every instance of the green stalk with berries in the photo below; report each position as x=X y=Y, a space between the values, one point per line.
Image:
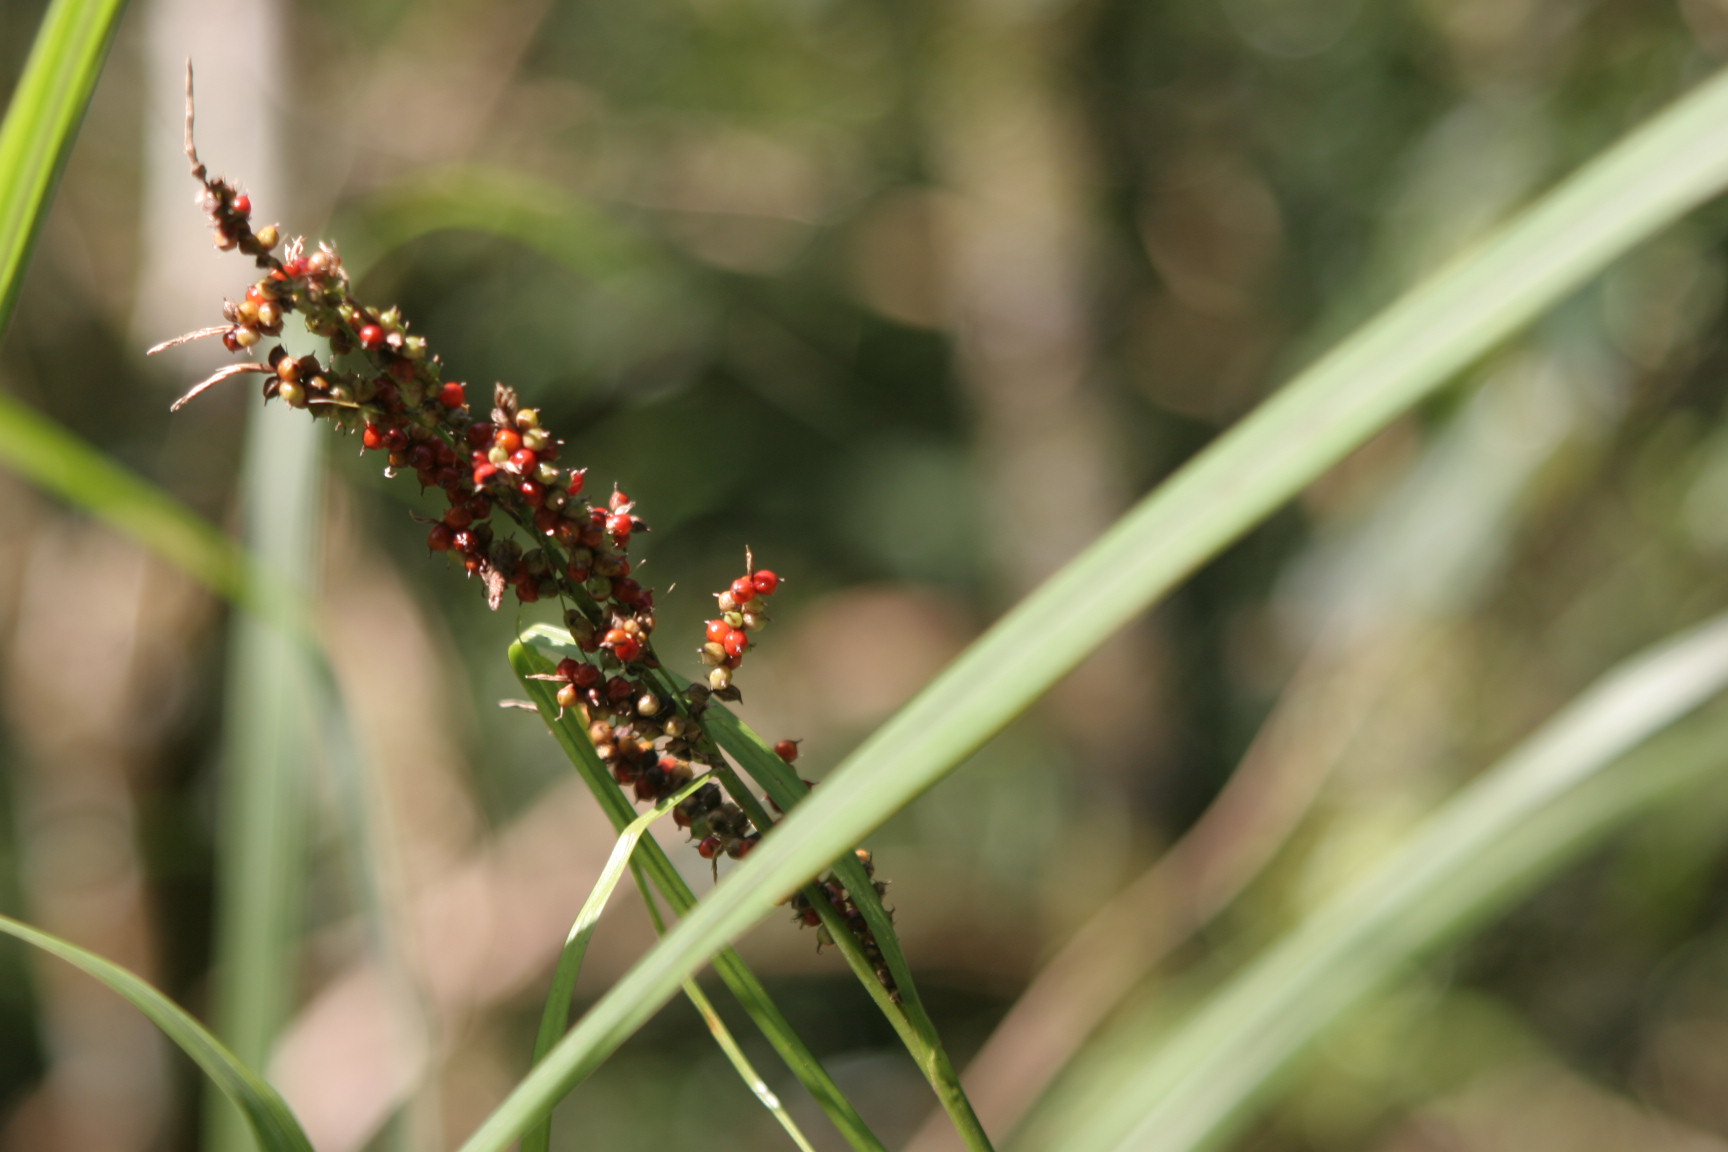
x=520 y=521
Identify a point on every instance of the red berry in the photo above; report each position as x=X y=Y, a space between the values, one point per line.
x=718 y=630
x=626 y=591
x=567 y=668
x=577 y=478
x=372 y=437
x=395 y=439
x=546 y=521
x=787 y=750
x=479 y=507
x=523 y=460
x=585 y=676
x=743 y=589
x=709 y=848
x=627 y=649
x=483 y=472
x=765 y=582
x=532 y=494
x=619 y=525
x=479 y=435
x=440 y=538
x=452 y=394
x=508 y=439
x=371 y=337
x=526 y=591
x=735 y=643
x=459 y=517
x=243 y=204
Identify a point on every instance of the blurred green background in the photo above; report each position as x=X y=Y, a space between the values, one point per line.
x=913 y=300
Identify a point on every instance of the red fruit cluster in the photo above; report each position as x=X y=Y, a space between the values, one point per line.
x=513 y=516
x=743 y=610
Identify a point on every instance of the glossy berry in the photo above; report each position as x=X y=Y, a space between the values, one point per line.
x=619 y=525
x=735 y=643
x=440 y=538
x=243 y=204
x=787 y=750
x=523 y=460
x=371 y=337
x=718 y=631
x=372 y=437
x=743 y=590
x=709 y=848
x=532 y=493
x=765 y=582
x=577 y=479
x=508 y=439
x=567 y=667
x=452 y=394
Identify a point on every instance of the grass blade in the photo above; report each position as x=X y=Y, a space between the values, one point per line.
x=909 y=1017
x=1668 y=166
x=556 y=1016
x=41 y=123
x=266 y=1112
x=1558 y=792
x=723 y=1035
x=745 y=988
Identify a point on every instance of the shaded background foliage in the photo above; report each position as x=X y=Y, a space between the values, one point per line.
x=913 y=299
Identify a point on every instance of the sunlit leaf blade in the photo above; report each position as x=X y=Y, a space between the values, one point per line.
x=556 y=1014
x=566 y=728
x=1558 y=792
x=265 y=1111
x=723 y=1035
x=755 y=756
x=42 y=119
x=1668 y=166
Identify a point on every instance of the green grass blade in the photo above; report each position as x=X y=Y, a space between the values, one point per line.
x=55 y=460
x=267 y=1113
x=1560 y=791
x=739 y=980
x=41 y=122
x=1668 y=166
x=556 y=1016
x=722 y=1034
x=918 y=1032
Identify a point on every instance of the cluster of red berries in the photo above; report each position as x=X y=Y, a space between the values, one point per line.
x=504 y=471
x=743 y=610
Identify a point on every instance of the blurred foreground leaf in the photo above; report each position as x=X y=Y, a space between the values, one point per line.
x=266 y=1113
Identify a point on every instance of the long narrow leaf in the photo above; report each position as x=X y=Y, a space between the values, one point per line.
x=266 y=1112
x=1667 y=167
x=42 y=120
x=723 y=1035
x=1518 y=821
x=556 y=1015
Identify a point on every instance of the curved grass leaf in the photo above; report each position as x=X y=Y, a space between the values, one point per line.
x=1559 y=792
x=266 y=1112
x=41 y=122
x=554 y=1019
x=1668 y=166
x=743 y=984
x=723 y=1035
